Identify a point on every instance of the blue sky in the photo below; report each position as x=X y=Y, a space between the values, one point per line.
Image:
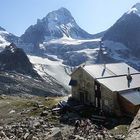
x=92 y=15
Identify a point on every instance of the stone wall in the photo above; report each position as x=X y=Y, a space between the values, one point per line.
x=84 y=83
x=109 y=99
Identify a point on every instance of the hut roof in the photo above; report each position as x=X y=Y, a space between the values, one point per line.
x=114 y=75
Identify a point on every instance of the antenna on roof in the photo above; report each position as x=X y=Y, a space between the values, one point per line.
x=128 y=71
x=101 y=44
x=129 y=77
x=104 y=65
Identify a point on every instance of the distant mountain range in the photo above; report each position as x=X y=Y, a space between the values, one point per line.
x=56 y=43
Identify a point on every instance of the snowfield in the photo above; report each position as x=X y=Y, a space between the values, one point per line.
x=70 y=41
x=3 y=42
x=56 y=69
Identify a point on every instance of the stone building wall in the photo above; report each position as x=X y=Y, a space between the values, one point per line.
x=109 y=99
x=84 y=83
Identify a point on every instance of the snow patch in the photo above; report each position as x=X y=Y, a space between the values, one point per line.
x=3 y=43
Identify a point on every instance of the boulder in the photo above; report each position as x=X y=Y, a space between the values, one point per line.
x=26 y=136
x=12 y=111
x=55 y=134
x=44 y=113
x=34 y=138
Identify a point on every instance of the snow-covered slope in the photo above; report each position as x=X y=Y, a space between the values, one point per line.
x=55 y=69
x=120 y=52
x=70 y=41
x=6 y=38
x=126 y=31
x=73 y=52
x=3 y=41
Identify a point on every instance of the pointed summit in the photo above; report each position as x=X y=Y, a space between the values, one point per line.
x=135 y=9
x=57 y=24
x=62 y=15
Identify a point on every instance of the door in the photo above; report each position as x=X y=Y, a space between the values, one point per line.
x=97 y=89
x=84 y=97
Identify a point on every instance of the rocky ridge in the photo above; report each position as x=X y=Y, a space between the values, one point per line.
x=127 y=30
x=15 y=59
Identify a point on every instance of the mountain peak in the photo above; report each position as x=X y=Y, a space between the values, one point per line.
x=57 y=24
x=135 y=9
x=12 y=47
x=137 y=5
x=2 y=29
x=63 y=9
x=61 y=15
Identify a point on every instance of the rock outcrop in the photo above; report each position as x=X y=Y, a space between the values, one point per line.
x=15 y=59
x=134 y=130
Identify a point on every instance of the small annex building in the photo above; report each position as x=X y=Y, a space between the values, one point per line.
x=114 y=87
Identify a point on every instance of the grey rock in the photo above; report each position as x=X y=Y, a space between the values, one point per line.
x=1 y=128
x=55 y=134
x=25 y=136
x=44 y=113
x=134 y=130
x=2 y=134
x=34 y=138
x=29 y=137
x=77 y=137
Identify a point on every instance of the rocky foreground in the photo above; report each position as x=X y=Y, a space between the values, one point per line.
x=37 y=118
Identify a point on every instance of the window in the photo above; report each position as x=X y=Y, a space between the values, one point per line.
x=73 y=82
